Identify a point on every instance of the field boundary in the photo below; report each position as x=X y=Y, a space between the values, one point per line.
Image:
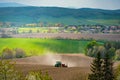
x=110 y=37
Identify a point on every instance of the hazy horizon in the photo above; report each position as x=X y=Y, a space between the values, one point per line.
x=102 y=4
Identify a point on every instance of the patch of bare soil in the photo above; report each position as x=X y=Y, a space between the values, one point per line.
x=72 y=60
x=78 y=65
x=110 y=37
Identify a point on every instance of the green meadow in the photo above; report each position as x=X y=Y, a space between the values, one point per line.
x=36 y=46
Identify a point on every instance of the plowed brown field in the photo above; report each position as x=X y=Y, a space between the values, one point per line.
x=78 y=65
x=110 y=37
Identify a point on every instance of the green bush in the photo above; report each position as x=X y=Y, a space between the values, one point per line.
x=7 y=53
x=19 y=53
x=111 y=47
x=117 y=54
x=90 y=47
x=117 y=72
x=111 y=51
x=92 y=52
x=8 y=72
x=38 y=76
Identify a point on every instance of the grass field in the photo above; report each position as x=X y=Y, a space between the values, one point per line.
x=34 y=46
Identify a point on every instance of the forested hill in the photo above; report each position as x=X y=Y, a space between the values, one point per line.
x=12 y=4
x=59 y=15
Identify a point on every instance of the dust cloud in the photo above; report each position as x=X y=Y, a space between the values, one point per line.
x=49 y=59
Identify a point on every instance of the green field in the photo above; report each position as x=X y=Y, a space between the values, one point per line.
x=36 y=30
x=41 y=46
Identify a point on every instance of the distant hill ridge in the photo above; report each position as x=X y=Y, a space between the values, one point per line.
x=11 y=4
x=59 y=15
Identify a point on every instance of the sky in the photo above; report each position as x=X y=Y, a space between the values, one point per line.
x=101 y=4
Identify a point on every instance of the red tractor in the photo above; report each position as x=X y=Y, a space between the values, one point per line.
x=59 y=64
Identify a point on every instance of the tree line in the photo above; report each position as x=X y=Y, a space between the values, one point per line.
x=102 y=65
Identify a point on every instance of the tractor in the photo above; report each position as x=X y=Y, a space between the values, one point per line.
x=60 y=64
